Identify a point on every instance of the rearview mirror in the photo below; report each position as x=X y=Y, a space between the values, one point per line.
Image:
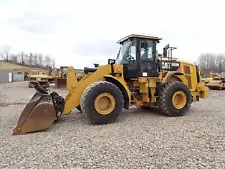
x=111 y=61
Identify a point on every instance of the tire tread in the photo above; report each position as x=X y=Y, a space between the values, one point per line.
x=162 y=98
x=84 y=99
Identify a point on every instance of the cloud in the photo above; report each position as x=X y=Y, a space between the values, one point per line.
x=93 y=47
x=34 y=23
x=80 y=33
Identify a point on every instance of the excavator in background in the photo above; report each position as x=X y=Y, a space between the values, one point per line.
x=135 y=77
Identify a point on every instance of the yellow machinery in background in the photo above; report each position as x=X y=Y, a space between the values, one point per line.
x=44 y=78
x=218 y=82
x=135 y=77
x=61 y=80
x=54 y=73
x=62 y=77
x=209 y=77
x=40 y=77
x=51 y=76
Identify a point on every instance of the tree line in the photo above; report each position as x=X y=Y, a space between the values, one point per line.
x=209 y=62
x=37 y=60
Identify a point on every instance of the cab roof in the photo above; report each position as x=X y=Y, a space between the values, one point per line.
x=138 y=36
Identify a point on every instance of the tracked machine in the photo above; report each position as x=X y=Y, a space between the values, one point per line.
x=217 y=83
x=210 y=77
x=135 y=77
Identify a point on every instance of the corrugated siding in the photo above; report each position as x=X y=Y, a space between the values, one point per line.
x=17 y=77
x=4 y=77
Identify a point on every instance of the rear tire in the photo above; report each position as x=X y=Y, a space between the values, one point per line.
x=98 y=96
x=175 y=99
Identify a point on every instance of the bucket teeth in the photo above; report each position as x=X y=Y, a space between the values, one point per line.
x=17 y=131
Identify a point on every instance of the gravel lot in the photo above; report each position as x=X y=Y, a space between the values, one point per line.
x=139 y=139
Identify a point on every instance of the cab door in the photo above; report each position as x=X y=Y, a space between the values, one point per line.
x=131 y=68
x=147 y=59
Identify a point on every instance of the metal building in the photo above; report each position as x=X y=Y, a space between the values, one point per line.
x=5 y=77
x=17 y=77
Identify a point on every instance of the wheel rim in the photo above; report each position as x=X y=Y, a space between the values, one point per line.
x=179 y=99
x=104 y=103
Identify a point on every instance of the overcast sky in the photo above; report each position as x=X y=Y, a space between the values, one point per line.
x=86 y=31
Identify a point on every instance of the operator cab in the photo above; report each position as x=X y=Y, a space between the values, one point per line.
x=139 y=56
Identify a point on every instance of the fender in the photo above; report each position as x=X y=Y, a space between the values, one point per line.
x=175 y=76
x=121 y=84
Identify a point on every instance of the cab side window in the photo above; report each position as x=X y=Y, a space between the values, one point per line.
x=132 y=53
x=146 y=50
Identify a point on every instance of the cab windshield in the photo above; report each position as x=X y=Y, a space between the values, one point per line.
x=123 y=53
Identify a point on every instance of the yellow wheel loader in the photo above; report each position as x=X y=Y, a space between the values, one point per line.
x=135 y=77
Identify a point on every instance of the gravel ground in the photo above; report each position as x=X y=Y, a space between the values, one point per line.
x=139 y=139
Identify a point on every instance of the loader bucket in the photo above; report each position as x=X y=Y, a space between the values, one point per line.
x=39 y=114
x=60 y=83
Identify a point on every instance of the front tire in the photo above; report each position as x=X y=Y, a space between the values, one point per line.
x=175 y=99
x=102 y=102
